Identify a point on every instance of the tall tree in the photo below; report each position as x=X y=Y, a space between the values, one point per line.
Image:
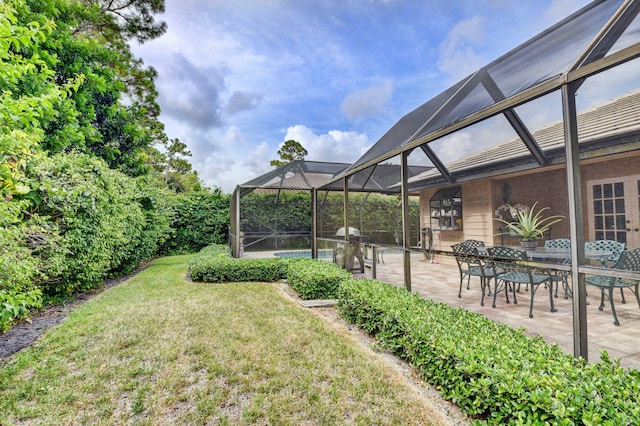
x=114 y=114
x=126 y=19
x=179 y=174
x=291 y=150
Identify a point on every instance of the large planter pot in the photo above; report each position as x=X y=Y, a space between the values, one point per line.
x=529 y=245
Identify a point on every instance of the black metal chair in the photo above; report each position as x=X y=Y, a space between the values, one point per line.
x=560 y=276
x=470 y=245
x=612 y=246
x=471 y=265
x=512 y=269
x=629 y=261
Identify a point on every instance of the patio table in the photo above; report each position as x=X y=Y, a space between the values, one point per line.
x=558 y=255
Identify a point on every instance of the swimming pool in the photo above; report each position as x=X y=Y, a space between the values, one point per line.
x=322 y=254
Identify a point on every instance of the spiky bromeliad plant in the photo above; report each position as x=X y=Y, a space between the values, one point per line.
x=529 y=224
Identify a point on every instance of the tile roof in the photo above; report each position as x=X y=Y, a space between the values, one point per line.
x=617 y=116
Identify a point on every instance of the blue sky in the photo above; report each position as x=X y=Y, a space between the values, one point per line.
x=238 y=78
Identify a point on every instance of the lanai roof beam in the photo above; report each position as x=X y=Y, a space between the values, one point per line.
x=437 y=163
x=514 y=120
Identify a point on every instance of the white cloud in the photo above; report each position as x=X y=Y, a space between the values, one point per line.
x=233 y=76
x=242 y=101
x=451 y=149
x=335 y=146
x=458 y=55
x=233 y=161
x=190 y=93
x=367 y=102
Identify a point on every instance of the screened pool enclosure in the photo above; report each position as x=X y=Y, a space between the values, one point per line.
x=554 y=123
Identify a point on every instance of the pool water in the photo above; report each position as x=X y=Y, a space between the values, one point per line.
x=322 y=254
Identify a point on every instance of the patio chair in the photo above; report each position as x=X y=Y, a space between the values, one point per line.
x=560 y=276
x=470 y=265
x=612 y=246
x=628 y=261
x=515 y=271
x=471 y=244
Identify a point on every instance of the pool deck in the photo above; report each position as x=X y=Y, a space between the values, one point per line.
x=440 y=282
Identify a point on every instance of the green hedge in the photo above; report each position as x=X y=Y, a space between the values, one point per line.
x=496 y=374
x=215 y=264
x=19 y=270
x=314 y=279
x=229 y=269
x=310 y=278
x=101 y=219
x=15 y=305
x=198 y=219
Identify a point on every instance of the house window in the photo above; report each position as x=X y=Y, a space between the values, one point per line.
x=614 y=209
x=446 y=209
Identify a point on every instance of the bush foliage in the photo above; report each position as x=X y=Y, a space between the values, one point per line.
x=19 y=270
x=310 y=278
x=84 y=193
x=99 y=218
x=314 y=279
x=198 y=219
x=215 y=264
x=496 y=374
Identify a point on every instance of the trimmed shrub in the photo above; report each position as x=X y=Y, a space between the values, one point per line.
x=310 y=278
x=494 y=373
x=314 y=279
x=229 y=269
x=215 y=264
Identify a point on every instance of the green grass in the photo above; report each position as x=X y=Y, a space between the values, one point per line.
x=160 y=350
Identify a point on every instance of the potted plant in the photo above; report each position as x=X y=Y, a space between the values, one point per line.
x=529 y=225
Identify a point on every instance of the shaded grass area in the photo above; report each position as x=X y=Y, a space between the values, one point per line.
x=160 y=350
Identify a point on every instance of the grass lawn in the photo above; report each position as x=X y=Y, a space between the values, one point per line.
x=160 y=350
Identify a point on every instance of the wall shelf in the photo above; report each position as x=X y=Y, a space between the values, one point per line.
x=445 y=210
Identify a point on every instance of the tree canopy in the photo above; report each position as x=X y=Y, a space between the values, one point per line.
x=114 y=113
x=291 y=150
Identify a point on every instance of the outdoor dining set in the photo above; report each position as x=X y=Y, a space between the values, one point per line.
x=508 y=269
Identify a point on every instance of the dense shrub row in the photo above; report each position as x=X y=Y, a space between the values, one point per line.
x=84 y=192
x=229 y=269
x=310 y=278
x=98 y=221
x=198 y=219
x=18 y=268
x=215 y=264
x=496 y=374
x=83 y=222
x=314 y=279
